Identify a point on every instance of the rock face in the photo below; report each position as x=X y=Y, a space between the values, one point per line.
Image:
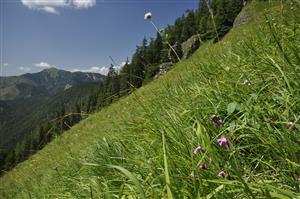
x=243 y=18
x=163 y=69
x=184 y=50
x=171 y=54
x=190 y=46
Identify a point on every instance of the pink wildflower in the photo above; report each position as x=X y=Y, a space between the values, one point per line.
x=222 y=141
x=202 y=166
x=218 y=122
x=221 y=174
x=199 y=149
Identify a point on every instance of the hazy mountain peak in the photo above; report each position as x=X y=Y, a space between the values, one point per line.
x=45 y=83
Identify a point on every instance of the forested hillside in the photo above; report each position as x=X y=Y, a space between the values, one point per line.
x=31 y=102
x=31 y=124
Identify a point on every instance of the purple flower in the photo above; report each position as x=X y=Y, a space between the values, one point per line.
x=222 y=141
x=218 y=122
x=199 y=149
x=202 y=166
x=221 y=174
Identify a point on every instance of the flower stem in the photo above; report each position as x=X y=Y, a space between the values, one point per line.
x=167 y=41
x=213 y=19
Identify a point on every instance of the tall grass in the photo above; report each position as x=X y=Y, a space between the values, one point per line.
x=142 y=146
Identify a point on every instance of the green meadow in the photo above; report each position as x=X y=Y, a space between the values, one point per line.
x=244 y=89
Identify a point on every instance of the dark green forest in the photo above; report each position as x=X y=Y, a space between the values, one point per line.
x=210 y=22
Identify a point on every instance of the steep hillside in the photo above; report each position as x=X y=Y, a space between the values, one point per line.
x=19 y=118
x=238 y=99
x=26 y=101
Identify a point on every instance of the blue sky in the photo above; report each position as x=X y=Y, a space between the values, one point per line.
x=78 y=34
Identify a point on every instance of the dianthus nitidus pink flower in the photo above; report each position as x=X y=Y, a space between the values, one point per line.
x=221 y=174
x=222 y=141
x=218 y=122
x=199 y=149
x=202 y=166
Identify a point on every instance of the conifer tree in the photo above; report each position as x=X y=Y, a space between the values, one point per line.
x=189 y=25
x=138 y=65
x=125 y=78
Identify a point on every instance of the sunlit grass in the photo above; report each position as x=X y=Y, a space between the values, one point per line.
x=143 y=145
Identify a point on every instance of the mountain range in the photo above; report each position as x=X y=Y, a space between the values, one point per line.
x=30 y=99
x=43 y=84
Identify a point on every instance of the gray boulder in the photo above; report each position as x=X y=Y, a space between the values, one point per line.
x=243 y=18
x=163 y=69
x=190 y=46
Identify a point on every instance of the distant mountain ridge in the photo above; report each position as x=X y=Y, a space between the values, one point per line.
x=42 y=84
x=31 y=99
x=20 y=117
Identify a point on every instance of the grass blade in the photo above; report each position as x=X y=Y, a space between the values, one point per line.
x=132 y=178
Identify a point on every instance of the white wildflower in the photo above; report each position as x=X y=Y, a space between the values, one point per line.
x=247 y=83
x=148 y=16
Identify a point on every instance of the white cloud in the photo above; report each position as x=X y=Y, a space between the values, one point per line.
x=24 y=68
x=5 y=64
x=84 y=3
x=41 y=3
x=45 y=5
x=50 y=10
x=123 y=63
x=95 y=69
x=51 y=6
x=99 y=69
x=102 y=70
x=43 y=65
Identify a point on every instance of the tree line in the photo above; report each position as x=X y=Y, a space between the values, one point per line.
x=211 y=21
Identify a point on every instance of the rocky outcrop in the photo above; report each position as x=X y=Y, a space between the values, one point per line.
x=243 y=18
x=163 y=69
x=190 y=46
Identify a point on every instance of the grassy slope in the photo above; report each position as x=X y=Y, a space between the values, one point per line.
x=152 y=133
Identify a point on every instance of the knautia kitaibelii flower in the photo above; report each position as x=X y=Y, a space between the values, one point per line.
x=221 y=174
x=218 y=122
x=222 y=141
x=199 y=149
x=148 y=16
x=202 y=166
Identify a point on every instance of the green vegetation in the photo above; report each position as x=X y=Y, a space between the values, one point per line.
x=35 y=108
x=145 y=61
x=142 y=146
x=26 y=130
